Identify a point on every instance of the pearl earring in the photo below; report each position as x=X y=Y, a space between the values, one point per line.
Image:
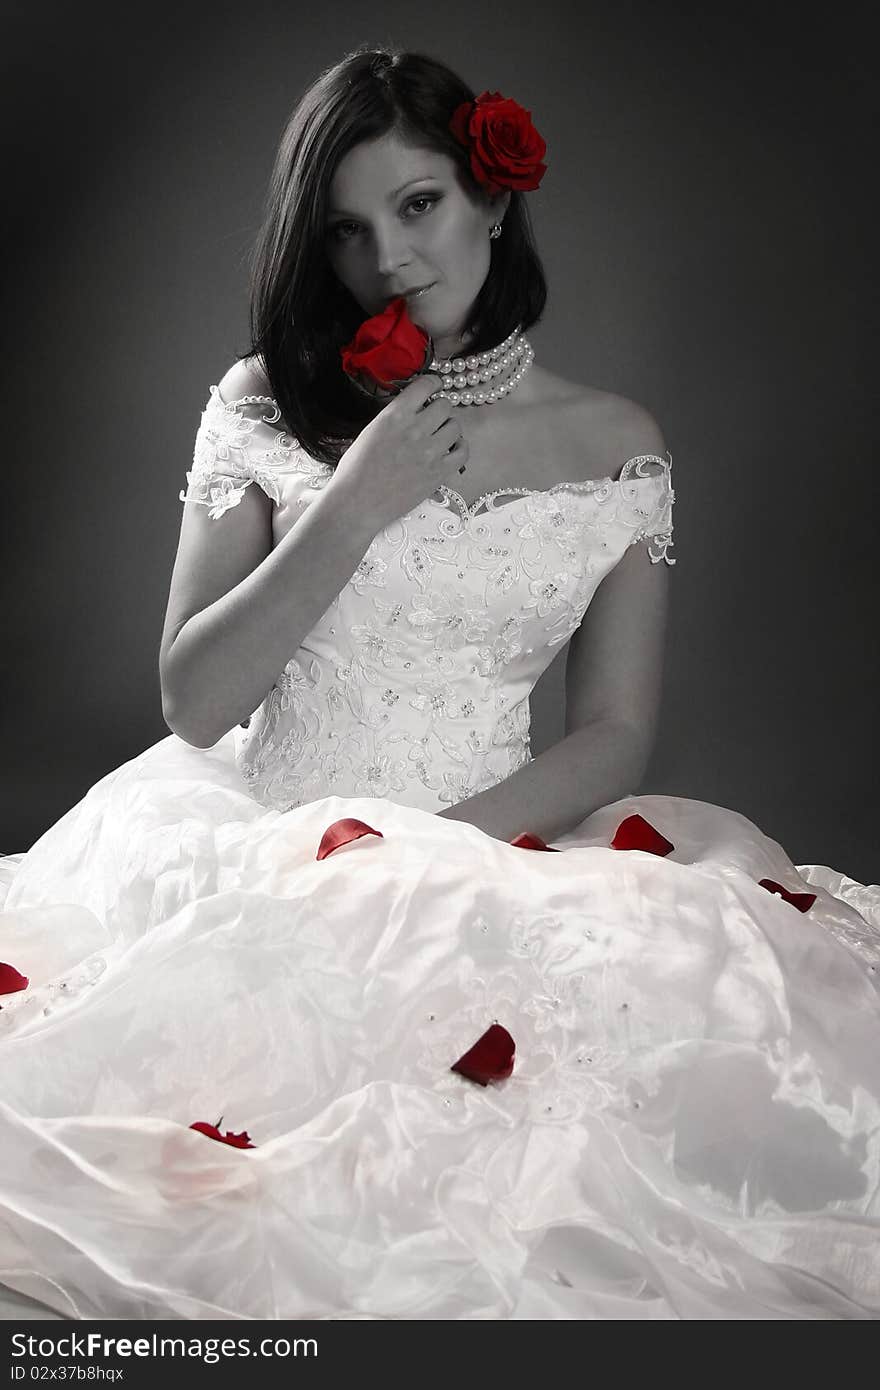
x=495 y=231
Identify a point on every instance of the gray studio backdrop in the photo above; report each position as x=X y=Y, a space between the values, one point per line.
x=704 y=235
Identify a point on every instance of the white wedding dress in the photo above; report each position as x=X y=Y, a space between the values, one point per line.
x=692 y=1125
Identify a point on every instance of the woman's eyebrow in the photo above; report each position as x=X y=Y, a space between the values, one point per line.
x=393 y=194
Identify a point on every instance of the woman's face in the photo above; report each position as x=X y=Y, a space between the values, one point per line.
x=398 y=218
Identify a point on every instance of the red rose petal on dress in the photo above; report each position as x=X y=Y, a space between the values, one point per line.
x=341 y=832
x=10 y=979
x=236 y=1141
x=490 y=1058
x=802 y=901
x=636 y=833
x=526 y=840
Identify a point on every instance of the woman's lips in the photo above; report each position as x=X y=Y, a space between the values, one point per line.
x=411 y=295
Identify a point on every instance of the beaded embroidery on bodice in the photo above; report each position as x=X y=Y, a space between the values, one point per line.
x=415 y=684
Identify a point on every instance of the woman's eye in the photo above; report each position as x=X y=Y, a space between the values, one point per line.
x=338 y=230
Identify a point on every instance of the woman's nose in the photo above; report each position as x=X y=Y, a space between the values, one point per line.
x=392 y=249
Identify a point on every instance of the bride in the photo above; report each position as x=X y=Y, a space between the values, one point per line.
x=276 y=1043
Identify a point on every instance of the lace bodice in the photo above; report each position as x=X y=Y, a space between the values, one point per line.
x=415 y=684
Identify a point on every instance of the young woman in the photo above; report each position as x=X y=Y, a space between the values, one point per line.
x=584 y=1053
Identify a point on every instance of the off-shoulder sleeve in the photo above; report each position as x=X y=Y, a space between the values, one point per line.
x=237 y=443
x=657 y=530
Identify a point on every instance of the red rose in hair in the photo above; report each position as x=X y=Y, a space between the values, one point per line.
x=387 y=350
x=505 y=148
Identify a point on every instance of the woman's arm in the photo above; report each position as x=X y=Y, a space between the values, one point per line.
x=591 y=767
x=219 y=658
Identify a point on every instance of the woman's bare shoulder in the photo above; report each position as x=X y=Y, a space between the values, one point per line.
x=605 y=420
x=247 y=377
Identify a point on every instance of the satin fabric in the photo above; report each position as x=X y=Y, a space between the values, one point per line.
x=690 y=1131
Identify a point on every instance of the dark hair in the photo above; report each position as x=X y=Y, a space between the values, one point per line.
x=300 y=313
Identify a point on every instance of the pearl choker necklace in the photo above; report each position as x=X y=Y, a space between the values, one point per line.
x=500 y=369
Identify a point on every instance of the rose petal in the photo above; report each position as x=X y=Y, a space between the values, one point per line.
x=236 y=1141
x=802 y=901
x=341 y=832
x=526 y=840
x=10 y=979
x=490 y=1058
x=636 y=833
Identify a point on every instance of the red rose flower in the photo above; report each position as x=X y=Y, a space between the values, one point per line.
x=237 y=1141
x=387 y=351
x=505 y=148
x=490 y=1058
x=10 y=980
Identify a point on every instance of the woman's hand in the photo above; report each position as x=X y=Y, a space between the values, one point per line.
x=405 y=453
